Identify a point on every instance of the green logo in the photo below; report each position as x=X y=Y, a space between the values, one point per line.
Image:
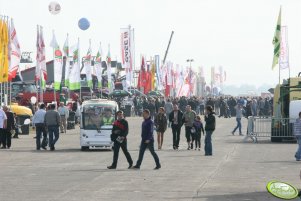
x=282 y=190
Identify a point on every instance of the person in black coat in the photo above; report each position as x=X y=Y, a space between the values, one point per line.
x=119 y=133
x=6 y=136
x=209 y=128
x=175 y=117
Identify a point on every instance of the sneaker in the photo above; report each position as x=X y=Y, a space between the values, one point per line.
x=298 y=159
x=199 y=149
x=136 y=167
x=241 y=134
x=44 y=148
x=232 y=133
x=130 y=166
x=111 y=167
x=157 y=167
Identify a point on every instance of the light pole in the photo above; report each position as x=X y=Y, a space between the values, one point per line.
x=190 y=61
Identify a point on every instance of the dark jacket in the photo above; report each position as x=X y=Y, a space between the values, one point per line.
x=10 y=121
x=210 y=122
x=120 y=128
x=180 y=117
x=147 y=130
x=161 y=122
x=198 y=125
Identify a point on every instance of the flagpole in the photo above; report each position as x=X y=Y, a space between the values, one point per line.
x=79 y=63
x=54 y=92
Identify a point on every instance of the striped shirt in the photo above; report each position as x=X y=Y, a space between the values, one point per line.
x=297 y=127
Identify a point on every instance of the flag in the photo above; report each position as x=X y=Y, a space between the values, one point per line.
x=38 y=68
x=4 y=56
x=158 y=74
x=153 y=74
x=57 y=63
x=109 y=70
x=98 y=67
x=284 y=53
x=277 y=41
x=87 y=66
x=74 y=78
x=67 y=65
x=15 y=52
x=126 y=54
x=142 y=78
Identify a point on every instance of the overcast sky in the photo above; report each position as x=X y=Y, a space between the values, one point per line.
x=235 y=34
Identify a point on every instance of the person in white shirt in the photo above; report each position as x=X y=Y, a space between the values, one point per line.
x=64 y=114
x=3 y=125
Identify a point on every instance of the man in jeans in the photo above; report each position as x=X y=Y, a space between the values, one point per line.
x=297 y=133
x=64 y=114
x=239 y=115
x=188 y=119
x=52 y=121
x=147 y=140
x=38 y=121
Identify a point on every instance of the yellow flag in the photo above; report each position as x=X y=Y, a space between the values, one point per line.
x=1 y=49
x=153 y=70
x=5 y=52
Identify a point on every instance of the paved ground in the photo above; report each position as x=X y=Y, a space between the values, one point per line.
x=237 y=171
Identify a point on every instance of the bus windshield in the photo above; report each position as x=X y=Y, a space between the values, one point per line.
x=96 y=117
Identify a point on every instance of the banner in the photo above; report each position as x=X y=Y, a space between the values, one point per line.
x=169 y=75
x=87 y=66
x=284 y=54
x=15 y=52
x=277 y=41
x=57 y=63
x=109 y=70
x=158 y=75
x=75 y=71
x=67 y=66
x=98 y=67
x=126 y=54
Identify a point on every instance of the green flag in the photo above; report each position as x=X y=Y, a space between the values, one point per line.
x=277 y=41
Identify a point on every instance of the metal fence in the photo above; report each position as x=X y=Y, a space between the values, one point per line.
x=277 y=129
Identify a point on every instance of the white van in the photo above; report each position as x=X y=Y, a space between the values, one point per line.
x=97 y=118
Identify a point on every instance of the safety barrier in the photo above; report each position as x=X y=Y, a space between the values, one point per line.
x=275 y=128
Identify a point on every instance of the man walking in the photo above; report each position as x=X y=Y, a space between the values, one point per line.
x=239 y=111
x=188 y=118
x=3 y=125
x=119 y=133
x=6 y=137
x=168 y=109
x=38 y=121
x=209 y=128
x=52 y=120
x=175 y=117
x=64 y=114
x=147 y=140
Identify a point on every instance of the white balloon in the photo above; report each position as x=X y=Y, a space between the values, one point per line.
x=54 y=8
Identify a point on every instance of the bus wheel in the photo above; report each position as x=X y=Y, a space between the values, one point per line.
x=84 y=148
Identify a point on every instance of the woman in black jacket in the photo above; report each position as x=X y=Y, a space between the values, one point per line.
x=161 y=125
x=209 y=128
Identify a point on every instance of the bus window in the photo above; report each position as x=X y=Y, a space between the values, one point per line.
x=98 y=117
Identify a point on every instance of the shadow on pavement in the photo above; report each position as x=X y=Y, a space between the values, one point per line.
x=255 y=196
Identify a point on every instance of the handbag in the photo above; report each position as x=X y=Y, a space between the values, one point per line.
x=192 y=130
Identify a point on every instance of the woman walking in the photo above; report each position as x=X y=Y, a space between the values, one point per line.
x=161 y=125
x=199 y=129
x=209 y=128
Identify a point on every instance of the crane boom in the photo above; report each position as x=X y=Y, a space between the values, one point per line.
x=168 y=47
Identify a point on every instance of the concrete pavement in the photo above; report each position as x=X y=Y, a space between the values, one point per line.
x=236 y=171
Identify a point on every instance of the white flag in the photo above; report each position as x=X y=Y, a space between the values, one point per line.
x=87 y=66
x=14 y=52
x=74 y=78
x=67 y=65
x=98 y=67
x=284 y=54
x=57 y=63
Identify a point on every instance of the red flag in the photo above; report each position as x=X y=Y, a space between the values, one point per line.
x=142 y=75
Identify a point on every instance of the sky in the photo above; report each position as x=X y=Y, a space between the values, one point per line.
x=235 y=34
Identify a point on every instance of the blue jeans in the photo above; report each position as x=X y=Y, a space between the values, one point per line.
x=208 y=143
x=238 y=126
x=40 y=130
x=143 y=147
x=53 y=132
x=298 y=153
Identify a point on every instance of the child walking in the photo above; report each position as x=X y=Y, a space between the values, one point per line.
x=199 y=129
